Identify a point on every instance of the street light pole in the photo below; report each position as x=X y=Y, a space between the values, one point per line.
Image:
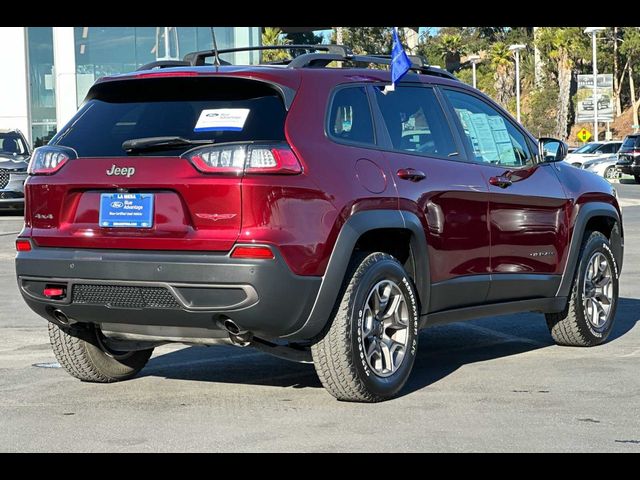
x=516 y=49
x=474 y=59
x=593 y=31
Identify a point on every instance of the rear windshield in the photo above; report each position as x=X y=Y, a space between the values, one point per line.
x=224 y=110
x=631 y=142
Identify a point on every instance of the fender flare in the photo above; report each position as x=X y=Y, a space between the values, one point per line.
x=354 y=227
x=585 y=213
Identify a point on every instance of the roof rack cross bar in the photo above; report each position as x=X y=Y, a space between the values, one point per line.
x=198 y=58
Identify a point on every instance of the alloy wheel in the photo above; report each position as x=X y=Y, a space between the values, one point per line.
x=597 y=291
x=385 y=328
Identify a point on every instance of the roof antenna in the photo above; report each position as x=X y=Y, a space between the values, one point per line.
x=215 y=47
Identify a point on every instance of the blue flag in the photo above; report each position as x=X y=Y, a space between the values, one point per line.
x=400 y=63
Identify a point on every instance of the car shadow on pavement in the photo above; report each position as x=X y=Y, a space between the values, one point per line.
x=443 y=349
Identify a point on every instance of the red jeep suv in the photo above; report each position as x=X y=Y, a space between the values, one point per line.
x=298 y=209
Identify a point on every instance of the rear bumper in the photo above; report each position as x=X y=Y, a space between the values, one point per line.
x=10 y=199
x=168 y=289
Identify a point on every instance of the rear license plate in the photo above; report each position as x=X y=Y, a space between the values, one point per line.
x=133 y=210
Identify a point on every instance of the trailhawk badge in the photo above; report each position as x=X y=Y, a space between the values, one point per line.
x=121 y=171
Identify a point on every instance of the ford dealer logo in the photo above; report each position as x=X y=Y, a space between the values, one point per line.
x=117 y=204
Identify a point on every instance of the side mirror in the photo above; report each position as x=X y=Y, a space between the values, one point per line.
x=552 y=149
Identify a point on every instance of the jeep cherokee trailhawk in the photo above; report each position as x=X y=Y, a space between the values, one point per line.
x=298 y=209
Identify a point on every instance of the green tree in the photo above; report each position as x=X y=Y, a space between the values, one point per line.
x=273 y=36
x=366 y=40
x=451 y=47
x=540 y=116
x=304 y=38
x=501 y=61
x=631 y=49
x=564 y=47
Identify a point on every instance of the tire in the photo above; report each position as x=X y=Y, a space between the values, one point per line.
x=340 y=355
x=611 y=173
x=636 y=178
x=84 y=356
x=572 y=327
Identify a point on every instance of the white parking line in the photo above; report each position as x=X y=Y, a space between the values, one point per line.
x=629 y=202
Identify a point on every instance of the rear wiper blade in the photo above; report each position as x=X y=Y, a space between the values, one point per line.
x=160 y=143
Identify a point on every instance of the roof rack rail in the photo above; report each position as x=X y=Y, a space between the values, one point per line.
x=198 y=58
x=316 y=60
x=163 y=64
x=310 y=59
x=422 y=62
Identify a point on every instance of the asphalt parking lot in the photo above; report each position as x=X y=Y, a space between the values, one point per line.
x=497 y=384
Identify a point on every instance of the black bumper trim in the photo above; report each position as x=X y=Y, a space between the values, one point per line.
x=277 y=302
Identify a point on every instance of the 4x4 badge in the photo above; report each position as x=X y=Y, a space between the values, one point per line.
x=122 y=171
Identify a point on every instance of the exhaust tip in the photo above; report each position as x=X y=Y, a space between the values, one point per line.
x=232 y=327
x=237 y=335
x=62 y=319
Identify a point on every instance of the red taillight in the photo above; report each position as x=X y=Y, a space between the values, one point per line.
x=23 y=245
x=263 y=253
x=235 y=159
x=53 y=292
x=49 y=159
x=275 y=159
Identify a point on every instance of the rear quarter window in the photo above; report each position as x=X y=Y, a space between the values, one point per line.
x=350 y=116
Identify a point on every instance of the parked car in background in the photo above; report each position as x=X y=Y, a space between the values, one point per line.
x=629 y=156
x=605 y=167
x=592 y=150
x=14 y=159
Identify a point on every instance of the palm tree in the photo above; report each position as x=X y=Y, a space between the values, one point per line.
x=502 y=64
x=451 y=48
x=273 y=36
x=565 y=46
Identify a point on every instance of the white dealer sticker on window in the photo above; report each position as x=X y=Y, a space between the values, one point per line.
x=222 y=119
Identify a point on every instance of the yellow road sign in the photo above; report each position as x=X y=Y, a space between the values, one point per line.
x=584 y=135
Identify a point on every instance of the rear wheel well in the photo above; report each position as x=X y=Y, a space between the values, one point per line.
x=394 y=241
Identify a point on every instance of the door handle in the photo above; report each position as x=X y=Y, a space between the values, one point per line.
x=501 y=181
x=411 y=174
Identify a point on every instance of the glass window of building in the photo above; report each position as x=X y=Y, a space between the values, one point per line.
x=41 y=84
x=102 y=51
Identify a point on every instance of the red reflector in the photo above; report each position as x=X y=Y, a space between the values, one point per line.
x=53 y=292
x=23 y=245
x=252 y=252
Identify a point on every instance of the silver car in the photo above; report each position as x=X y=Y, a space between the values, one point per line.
x=14 y=159
x=604 y=166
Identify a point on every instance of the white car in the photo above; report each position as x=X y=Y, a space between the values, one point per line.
x=605 y=167
x=592 y=151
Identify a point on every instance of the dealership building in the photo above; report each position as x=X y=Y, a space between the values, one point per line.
x=47 y=71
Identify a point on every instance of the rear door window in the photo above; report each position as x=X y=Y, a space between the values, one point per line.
x=415 y=122
x=202 y=109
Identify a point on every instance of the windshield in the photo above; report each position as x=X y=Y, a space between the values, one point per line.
x=588 y=148
x=197 y=112
x=11 y=143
